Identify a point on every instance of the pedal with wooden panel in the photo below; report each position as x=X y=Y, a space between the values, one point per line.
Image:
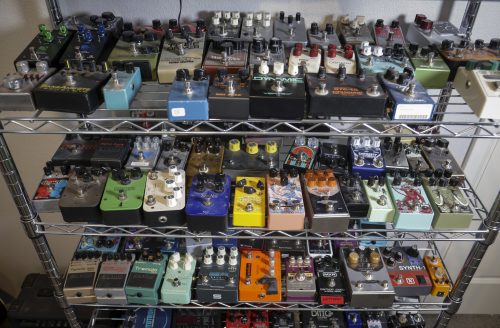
x=112 y=278
x=269 y=50
x=406 y=320
x=330 y=282
x=176 y=288
x=375 y=319
x=231 y=55
x=319 y=248
x=111 y=152
x=366 y=156
x=395 y=154
x=300 y=279
x=50 y=189
x=302 y=154
x=369 y=284
x=388 y=35
x=430 y=69
x=225 y=25
x=290 y=29
x=165 y=198
x=335 y=56
x=188 y=98
x=441 y=284
x=75 y=150
x=196 y=246
x=354 y=31
x=287 y=247
x=207 y=205
x=325 y=206
x=413 y=208
x=377 y=59
x=345 y=95
x=333 y=155
x=80 y=199
x=406 y=269
x=257 y=158
x=437 y=154
x=260 y=276
x=381 y=206
x=145 y=278
x=122 y=200
x=276 y=93
x=378 y=240
x=415 y=160
x=426 y=32
x=408 y=99
x=123 y=86
x=206 y=157
x=307 y=58
x=228 y=96
x=80 y=278
x=353 y=319
x=323 y=38
x=111 y=23
x=144 y=153
x=218 y=276
x=355 y=197
x=101 y=244
x=186 y=318
x=174 y=152
x=249 y=209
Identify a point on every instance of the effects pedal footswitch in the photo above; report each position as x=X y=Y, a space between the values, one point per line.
x=355 y=197
x=81 y=276
x=249 y=209
x=291 y=29
x=144 y=153
x=187 y=99
x=122 y=88
x=441 y=284
x=300 y=279
x=260 y=276
x=51 y=187
x=228 y=96
x=330 y=283
x=178 y=279
x=381 y=205
x=112 y=278
x=354 y=31
x=256 y=158
x=366 y=156
x=388 y=35
x=323 y=38
x=174 y=152
x=302 y=154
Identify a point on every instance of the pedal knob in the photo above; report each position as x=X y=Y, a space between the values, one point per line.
x=378 y=51
x=234 y=145
x=447 y=45
x=293 y=69
x=178 y=177
x=263 y=68
x=172 y=264
x=312 y=182
x=209 y=250
x=332 y=182
x=494 y=44
x=252 y=148
x=207 y=259
x=233 y=260
x=367 y=51
x=374 y=258
x=220 y=260
x=278 y=68
x=233 y=251
x=271 y=147
x=221 y=250
x=353 y=258
x=177 y=193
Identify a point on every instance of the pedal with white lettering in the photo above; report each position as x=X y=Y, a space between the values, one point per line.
x=335 y=56
x=322 y=318
x=271 y=51
x=308 y=58
x=144 y=153
x=291 y=29
x=353 y=319
x=395 y=154
x=174 y=152
x=300 y=279
x=426 y=32
x=366 y=156
x=101 y=244
x=377 y=59
x=186 y=318
x=354 y=31
x=81 y=276
x=178 y=279
x=257 y=158
x=330 y=282
x=333 y=155
x=51 y=187
x=355 y=197
x=381 y=206
x=123 y=86
x=430 y=68
x=388 y=35
x=437 y=154
x=375 y=319
x=75 y=150
x=112 y=278
x=188 y=98
x=111 y=152
x=323 y=38
x=302 y=154
x=231 y=55
x=319 y=248
x=225 y=25
x=228 y=96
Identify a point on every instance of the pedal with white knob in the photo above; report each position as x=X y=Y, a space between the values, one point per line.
x=224 y=25
x=377 y=59
x=354 y=31
x=144 y=153
x=178 y=279
x=375 y=319
x=300 y=279
x=256 y=25
x=366 y=156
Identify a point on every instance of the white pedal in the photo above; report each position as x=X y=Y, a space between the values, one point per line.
x=336 y=56
x=309 y=58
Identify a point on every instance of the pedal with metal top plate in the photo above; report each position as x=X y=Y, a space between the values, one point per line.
x=354 y=31
x=302 y=154
x=112 y=278
x=256 y=158
x=441 y=284
x=50 y=188
x=144 y=153
x=300 y=279
x=249 y=209
x=260 y=276
x=271 y=50
x=330 y=281
x=225 y=25
x=291 y=29
x=319 y=248
x=426 y=32
x=188 y=98
x=366 y=156
x=430 y=69
x=176 y=288
x=323 y=38
x=395 y=154
x=381 y=206
x=174 y=152
x=122 y=88
x=228 y=96
x=388 y=35
x=81 y=276
x=256 y=25
x=438 y=155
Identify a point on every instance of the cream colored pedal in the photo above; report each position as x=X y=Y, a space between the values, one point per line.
x=335 y=56
x=309 y=58
x=81 y=277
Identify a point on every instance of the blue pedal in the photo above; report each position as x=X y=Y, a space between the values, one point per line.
x=377 y=59
x=377 y=241
x=353 y=319
x=367 y=158
x=188 y=99
x=151 y=318
x=100 y=244
x=224 y=242
x=122 y=87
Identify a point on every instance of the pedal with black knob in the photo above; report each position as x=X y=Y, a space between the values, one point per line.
x=112 y=278
x=377 y=59
x=75 y=150
x=81 y=276
x=406 y=320
x=206 y=156
x=353 y=319
x=354 y=31
x=111 y=152
x=231 y=55
x=249 y=207
x=111 y=23
x=322 y=318
x=123 y=86
x=375 y=319
x=174 y=152
x=224 y=25
x=416 y=161
x=330 y=281
x=307 y=58
x=178 y=279
x=323 y=38
x=144 y=153
x=287 y=247
x=228 y=96
x=101 y=244
x=430 y=69
x=395 y=154
x=381 y=206
x=270 y=50
x=50 y=189
x=388 y=35
x=139 y=244
x=355 y=197
x=438 y=155
x=188 y=97
x=238 y=319
x=290 y=29
x=366 y=156
x=319 y=248
x=254 y=158
x=333 y=155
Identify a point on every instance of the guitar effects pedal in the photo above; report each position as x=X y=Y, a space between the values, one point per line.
x=287 y=247
x=206 y=157
x=406 y=320
x=185 y=318
x=381 y=206
x=149 y=318
x=180 y=49
x=218 y=276
x=353 y=319
x=355 y=197
x=145 y=278
x=196 y=246
x=413 y=209
x=140 y=244
x=275 y=93
x=415 y=160
x=80 y=278
x=101 y=244
x=375 y=319
x=271 y=51
x=408 y=99
x=260 y=276
x=302 y=154
x=81 y=198
x=174 y=152
x=441 y=284
x=225 y=242
x=437 y=154
x=110 y=152
x=300 y=279
x=335 y=56
x=122 y=88
x=430 y=69
x=322 y=38
x=285 y=205
x=307 y=58
x=345 y=95
x=322 y=319
x=388 y=35
x=395 y=154
x=406 y=269
x=331 y=287
x=121 y=202
x=249 y=202
x=238 y=319
x=144 y=153
x=178 y=279
x=366 y=156
x=75 y=150
x=369 y=284
x=319 y=248
x=207 y=206
x=426 y=32
x=231 y=55
x=257 y=25
x=258 y=157
x=380 y=240
x=354 y=31
x=325 y=206
x=283 y=319
x=224 y=25
x=111 y=23
x=187 y=99
x=333 y=155
x=377 y=59
x=112 y=278
x=228 y=96
x=165 y=198
x=50 y=188
x=290 y=29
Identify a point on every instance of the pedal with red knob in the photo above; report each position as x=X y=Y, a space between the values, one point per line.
x=388 y=35
x=307 y=58
x=335 y=56
x=425 y=31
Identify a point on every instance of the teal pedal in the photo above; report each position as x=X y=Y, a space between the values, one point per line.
x=145 y=279
x=176 y=286
x=122 y=88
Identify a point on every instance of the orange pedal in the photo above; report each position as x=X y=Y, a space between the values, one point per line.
x=441 y=284
x=260 y=276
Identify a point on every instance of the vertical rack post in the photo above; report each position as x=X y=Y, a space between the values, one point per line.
x=54 y=12
x=29 y=218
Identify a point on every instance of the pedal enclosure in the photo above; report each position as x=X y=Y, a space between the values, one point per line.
x=174 y=153
x=382 y=33
x=178 y=279
x=216 y=57
x=254 y=158
x=49 y=191
x=346 y=55
x=430 y=69
x=373 y=64
x=185 y=106
x=355 y=197
x=145 y=279
x=88 y=48
x=80 y=280
x=206 y=157
x=75 y=150
x=333 y=155
x=438 y=156
x=366 y=156
x=228 y=97
x=249 y=207
x=381 y=206
x=122 y=88
x=330 y=283
x=282 y=28
x=257 y=283
x=354 y=31
x=110 y=152
x=319 y=248
x=302 y=154
x=144 y=154
x=111 y=281
x=323 y=318
x=300 y=279
x=441 y=284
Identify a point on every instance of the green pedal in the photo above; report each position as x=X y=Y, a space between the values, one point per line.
x=381 y=205
x=430 y=69
x=178 y=279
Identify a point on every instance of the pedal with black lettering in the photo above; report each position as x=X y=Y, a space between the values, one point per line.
x=408 y=99
x=302 y=154
x=369 y=284
x=406 y=320
x=330 y=282
x=437 y=154
x=415 y=160
x=375 y=319
x=366 y=156
x=323 y=38
x=141 y=47
x=300 y=279
x=354 y=31
x=377 y=59
x=75 y=150
x=291 y=29
x=231 y=55
x=122 y=200
x=238 y=319
x=345 y=95
x=123 y=86
x=182 y=48
x=257 y=158
x=430 y=69
x=111 y=23
x=319 y=248
x=271 y=50
x=174 y=152
x=325 y=206
x=224 y=25
x=185 y=318
x=333 y=155
x=165 y=198
x=388 y=35
x=381 y=207
x=406 y=269
x=188 y=98
x=101 y=244
x=144 y=153
x=287 y=247
x=281 y=319
x=335 y=56
x=80 y=199
x=323 y=318
x=218 y=276
x=178 y=279
x=426 y=32
x=257 y=25
x=51 y=187
x=207 y=205
x=271 y=88
x=111 y=152
x=441 y=284
x=112 y=278
x=307 y=58
x=395 y=154
x=196 y=246
x=260 y=276
x=355 y=197
x=145 y=278
x=81 y=276
x=249 y=207
x=228 y=96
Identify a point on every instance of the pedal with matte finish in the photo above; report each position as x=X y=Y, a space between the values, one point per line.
x=381 y=206
x=308 y=58
x=437 y=154
x=291 y=29
x=406 y=320
x=228 y=96
x=323 y=38
x=441 y=284
x=239 y=319
x=335 y=56
x=330 y=281
x=80 y=278
x=395 y=154
x=260 y=276
x=231 y=55
x=322 y=319
x=375 y=319
x=110 y=152
x=354 y=31
x=206 y=157
x=257 y=24
x=366 y=156
x=271 y=50
x=256 y=158
x=75 y=150
x=112 y=278
x=426 y=32
x=287 y=247
x=111 y=23
x=178 y=279
x=319 y=248
x=355 y=197
x=249 y=209
x=123 y=86
x=225 y=25
x=302 y=154
x=388 y=35
x=414 y=157
x=186 y=318
x=300 y=279
x=377 y=59
x=430 y=69
x=174 y=152
x=188 y=98
x=51 y=187
x=283 y=319
x=144 y=153
x=333 y=155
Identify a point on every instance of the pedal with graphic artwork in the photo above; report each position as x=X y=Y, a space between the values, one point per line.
x=51 y=187
x=366 y=156
x=302 y=154
x=300 y=279
x=260 y=276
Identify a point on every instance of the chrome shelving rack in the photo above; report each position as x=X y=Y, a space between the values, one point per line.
x=114 y=122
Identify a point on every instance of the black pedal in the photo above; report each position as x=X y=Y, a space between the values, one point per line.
x=111 y=152
x=330 y=281
x=334 y=156
x=228 y=96
x=75 y=150
x=438 y=156
x=287 y=247
x=255 y=158
x=354 y=195
x=323 y=318
x=184 y=318
x=112 y=24
x=276 y=93
x=174 y=152
x=342 y=94
x=281 y=319
x=406 y=320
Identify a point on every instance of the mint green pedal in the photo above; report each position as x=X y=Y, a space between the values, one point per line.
x=381 y=205
x=176 y=287
x=430 y=69
x=145 y=279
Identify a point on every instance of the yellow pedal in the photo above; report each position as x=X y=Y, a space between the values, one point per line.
x=441 y=284
x=249 y=202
